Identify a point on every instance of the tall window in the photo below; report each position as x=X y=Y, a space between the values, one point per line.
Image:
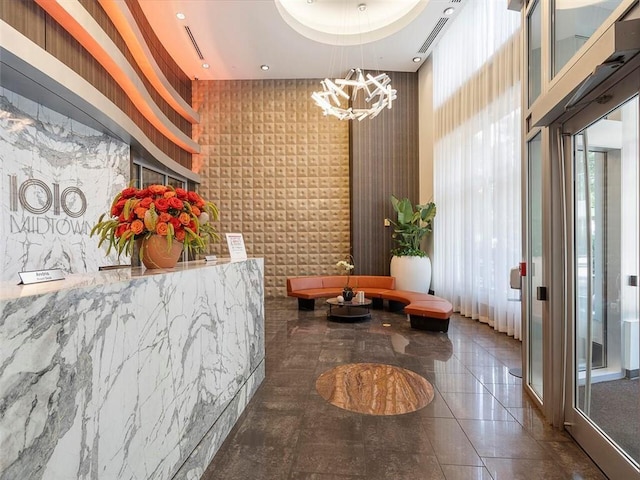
x=477 y=155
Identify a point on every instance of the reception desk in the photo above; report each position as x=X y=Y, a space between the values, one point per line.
x=128 y=374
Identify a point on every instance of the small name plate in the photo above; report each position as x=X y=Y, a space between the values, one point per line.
x=39 y=276
x=210 y=258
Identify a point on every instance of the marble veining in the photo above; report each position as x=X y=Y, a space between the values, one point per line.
x=137 y=374
x=374 y=389
x=56 y=177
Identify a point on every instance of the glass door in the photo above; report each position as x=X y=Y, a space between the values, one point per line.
x=604 y=412
x=534 y=304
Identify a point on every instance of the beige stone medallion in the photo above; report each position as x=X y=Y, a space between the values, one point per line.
x=374 y=389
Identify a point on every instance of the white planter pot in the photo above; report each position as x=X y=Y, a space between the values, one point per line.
x=412 y=273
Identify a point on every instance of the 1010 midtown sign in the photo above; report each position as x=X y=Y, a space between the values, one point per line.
x=52 y=210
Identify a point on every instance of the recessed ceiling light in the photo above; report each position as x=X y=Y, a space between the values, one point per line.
x=309 y=1
x=181 y=15
x=416 y=59
x=205 y=65
x=449 y=11
x=264 y=67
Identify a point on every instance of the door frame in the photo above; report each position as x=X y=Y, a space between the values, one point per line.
x=598 y=447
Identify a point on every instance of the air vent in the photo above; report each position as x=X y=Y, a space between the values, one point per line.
x=432 y=36
x=455 y=1
x=193 y=41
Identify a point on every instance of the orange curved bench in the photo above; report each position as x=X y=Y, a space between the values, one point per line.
x=425 y=311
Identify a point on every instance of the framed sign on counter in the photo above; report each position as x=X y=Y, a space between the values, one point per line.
x=235 y=242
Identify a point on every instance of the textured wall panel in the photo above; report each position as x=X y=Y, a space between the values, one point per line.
x=279 y=171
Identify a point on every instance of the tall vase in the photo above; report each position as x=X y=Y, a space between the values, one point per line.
x=157 y=254
x=411 y=273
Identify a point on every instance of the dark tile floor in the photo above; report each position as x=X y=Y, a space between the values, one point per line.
x=480 y=424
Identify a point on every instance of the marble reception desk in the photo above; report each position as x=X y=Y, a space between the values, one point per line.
x=127 y=374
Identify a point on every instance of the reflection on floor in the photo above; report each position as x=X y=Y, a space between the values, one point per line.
x=479 y=425
x=374 y=389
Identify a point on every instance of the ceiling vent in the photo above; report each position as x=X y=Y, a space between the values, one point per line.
x=194 y=43
x=432 y=36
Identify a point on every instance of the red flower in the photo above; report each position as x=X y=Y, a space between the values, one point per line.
x=176 y=203
x=129 y=192
x=164 y=217
x=181 y=193
x=121 y=229
x=118 y=207
x=142 y=193
x=193 y=197
x=180 y=234
x=175 y=222
x=162 y=204
x=146 y=202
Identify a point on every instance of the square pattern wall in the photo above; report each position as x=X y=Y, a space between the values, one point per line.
x=279 y=172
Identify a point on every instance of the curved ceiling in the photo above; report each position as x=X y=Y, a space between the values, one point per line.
x=236 y=37
x=349 y=22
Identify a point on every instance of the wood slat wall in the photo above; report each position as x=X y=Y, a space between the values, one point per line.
x=178 y=79
x=33 y=22
x=384 y=161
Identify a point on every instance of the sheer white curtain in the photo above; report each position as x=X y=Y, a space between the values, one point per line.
x=477 y=185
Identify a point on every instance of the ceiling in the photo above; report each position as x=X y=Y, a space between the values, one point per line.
x=236 y=37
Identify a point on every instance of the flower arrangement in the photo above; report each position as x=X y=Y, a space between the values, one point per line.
x=347 y=266
x=174 y=213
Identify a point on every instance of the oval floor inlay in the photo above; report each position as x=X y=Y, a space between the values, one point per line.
x=374 y=388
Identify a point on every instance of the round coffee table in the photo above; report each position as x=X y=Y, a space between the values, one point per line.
x=352 y=311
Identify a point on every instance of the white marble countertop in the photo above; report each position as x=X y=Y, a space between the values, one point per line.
x=10 y=290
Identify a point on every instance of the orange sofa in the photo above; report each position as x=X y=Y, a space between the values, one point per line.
x=425 y=311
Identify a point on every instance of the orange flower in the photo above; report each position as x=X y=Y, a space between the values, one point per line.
x=195 y=211
x=169 y=194
x=184 y=218
x=137 y=227
x=162 y=228
x=164 y=217
x=140 y=211
x=180 y=234
x=157 y=189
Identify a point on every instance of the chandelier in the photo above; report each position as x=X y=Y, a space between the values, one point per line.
x=338 y=96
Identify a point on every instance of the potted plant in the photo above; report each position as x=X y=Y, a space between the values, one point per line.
x=410 y=265
x=161 y=220
x=347 y=266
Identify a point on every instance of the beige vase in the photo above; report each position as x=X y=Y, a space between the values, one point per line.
x=157 y=254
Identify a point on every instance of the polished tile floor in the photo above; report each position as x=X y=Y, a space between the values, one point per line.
x=479 y=425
